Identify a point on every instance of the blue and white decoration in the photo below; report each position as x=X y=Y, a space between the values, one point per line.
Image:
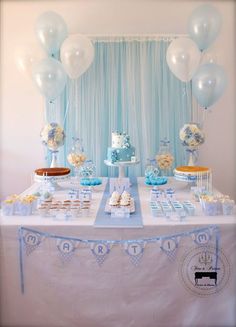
x=30 y=239
x=100 y=250
x=126 y=143
x=88 y=169
x=135 y=250
x=114 y=156
x=202 y=238
x=169 y=246
x=121 y=102
x=66 y=249
x=119 y=185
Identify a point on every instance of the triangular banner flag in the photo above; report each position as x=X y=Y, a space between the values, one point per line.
x=135 y=251
x=32 y=241
x=66 y=249
x=169 y=246
x=101 y=251
x=202 y=238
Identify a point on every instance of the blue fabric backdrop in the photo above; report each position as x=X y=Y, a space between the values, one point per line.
x=130 y=88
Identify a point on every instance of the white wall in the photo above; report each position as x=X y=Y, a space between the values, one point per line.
x=22 y=108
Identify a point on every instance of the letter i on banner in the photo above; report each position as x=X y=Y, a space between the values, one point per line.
x=101 y=251
x=32 y=241
x=66 y=249
x=169 y=246
x=135 y=251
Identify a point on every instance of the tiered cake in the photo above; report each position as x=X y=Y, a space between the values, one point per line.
x=121 y=149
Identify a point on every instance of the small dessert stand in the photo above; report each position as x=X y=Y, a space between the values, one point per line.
x=121 y=166
x=194 y=175
x=131 y=206
x=158 y=182
x=52 y=176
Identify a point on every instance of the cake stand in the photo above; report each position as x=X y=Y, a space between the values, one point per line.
x=52 y=176
x=194 y=175
x=121 y=166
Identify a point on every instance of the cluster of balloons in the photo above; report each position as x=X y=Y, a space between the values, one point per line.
x=187 y=59
x=76 y=53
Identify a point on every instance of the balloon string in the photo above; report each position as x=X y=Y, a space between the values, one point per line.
x=68 y=103
x=187 y=100
x=66 y=112
x=204 y=116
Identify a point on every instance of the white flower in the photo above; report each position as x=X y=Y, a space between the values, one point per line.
x=52 y=135
x=191 y=135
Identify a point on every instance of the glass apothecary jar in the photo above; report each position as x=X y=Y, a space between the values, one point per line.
x=164 y=158
x=76 y=158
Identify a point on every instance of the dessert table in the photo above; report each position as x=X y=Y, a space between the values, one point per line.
x=80 y=292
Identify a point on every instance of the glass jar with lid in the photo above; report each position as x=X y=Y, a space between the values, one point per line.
x=76 y=157
x=164 y=158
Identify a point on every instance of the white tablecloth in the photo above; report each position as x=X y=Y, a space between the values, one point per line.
x=81 y=293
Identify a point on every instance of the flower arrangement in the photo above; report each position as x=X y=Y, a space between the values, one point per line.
x=126 y=142
x=114 y=156
x=53 y=136
x=191 y=135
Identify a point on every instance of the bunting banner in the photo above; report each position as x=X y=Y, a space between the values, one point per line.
x=66 y=249
x=134 y=250
x=30 y=240
x=100 y=250
x=169 y=246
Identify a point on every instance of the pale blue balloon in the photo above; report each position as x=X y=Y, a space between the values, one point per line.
x=204 y=25
x=51 y=31
x=209 y=84
x=50 y=78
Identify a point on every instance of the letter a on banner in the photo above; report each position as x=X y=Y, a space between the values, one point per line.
x=66 y=249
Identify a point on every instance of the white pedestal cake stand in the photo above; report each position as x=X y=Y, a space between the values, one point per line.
x=52 y=181
x=121 y=166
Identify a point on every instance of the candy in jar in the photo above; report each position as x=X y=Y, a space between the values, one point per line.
x=164 y=158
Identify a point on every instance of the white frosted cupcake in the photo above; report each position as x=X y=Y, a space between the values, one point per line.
x=113 y=201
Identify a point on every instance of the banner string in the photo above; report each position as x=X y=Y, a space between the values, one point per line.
x=134 y=248
x=148 y=240
x=20 y=237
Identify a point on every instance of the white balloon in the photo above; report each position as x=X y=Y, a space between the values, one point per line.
x=209 y=57
x=77 y=54
x=183 y=57
x=26 y=56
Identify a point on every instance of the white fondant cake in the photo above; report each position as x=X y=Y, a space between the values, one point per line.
x=117 y=140
x=121 y=149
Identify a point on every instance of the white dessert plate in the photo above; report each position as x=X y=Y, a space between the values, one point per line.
x=131 y=206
